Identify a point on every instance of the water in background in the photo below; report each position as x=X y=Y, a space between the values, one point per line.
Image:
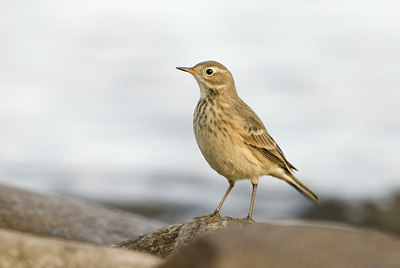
x=91 y=103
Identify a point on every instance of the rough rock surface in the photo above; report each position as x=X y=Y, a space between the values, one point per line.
x=213 y=242
x=165 y=241
x=25 y=250
x=52 y=215
x=240 y=244
x=264 y=245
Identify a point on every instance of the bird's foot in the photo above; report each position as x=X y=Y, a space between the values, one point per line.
x=215 y=214
x=249 y=218
x=245 y=219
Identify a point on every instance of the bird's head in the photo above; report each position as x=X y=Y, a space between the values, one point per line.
x=213 y=78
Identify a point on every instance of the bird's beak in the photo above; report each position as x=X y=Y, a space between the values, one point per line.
x=186 y=69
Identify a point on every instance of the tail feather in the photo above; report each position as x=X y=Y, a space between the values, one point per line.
x=292 y=180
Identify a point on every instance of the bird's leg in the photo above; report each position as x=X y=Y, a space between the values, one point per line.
x=254 y=181
x=231 y=184
x=216 y=212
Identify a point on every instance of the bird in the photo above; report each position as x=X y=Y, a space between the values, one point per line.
x=231 y=136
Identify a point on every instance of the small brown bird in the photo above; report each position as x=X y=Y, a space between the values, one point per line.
x=232 y=138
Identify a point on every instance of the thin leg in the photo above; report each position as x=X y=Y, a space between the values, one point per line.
x=216 y=212
x=231 y=184
x=254 y=181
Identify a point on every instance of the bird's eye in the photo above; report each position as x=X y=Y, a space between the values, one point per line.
x=209 y=71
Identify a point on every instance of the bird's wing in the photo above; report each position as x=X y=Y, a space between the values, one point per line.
x=265 y=144
x=258 y=137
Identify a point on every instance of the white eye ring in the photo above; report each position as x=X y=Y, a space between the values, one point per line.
x=209 y=72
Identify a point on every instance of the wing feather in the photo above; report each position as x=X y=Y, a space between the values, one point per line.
x=265 y=144
x=258 y=137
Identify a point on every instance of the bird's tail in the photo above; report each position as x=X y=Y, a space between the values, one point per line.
x=292 y=180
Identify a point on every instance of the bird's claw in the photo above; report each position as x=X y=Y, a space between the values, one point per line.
x=215 y=214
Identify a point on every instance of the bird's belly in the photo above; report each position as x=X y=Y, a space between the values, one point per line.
x=227 y=154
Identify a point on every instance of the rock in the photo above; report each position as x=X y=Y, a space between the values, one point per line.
x=197 y=243
x=52 y=215
x=26 y=250
x=264 y=245
x=204 y=242
x=165 y=241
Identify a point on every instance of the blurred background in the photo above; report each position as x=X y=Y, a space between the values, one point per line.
x=91 y=104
